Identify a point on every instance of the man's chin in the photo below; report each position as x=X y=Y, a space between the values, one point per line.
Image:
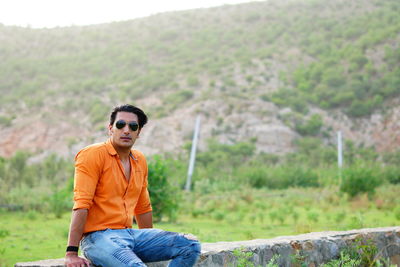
x=125 y=144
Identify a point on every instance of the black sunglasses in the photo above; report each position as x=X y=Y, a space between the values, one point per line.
x=121 y=124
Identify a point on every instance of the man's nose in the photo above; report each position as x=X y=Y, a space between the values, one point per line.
x=126 y=128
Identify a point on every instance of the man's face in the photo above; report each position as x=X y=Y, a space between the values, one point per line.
x=124 y=137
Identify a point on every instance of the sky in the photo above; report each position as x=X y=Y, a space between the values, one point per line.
x=53 y=13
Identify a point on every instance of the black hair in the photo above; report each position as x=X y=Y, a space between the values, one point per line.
x=132 y=109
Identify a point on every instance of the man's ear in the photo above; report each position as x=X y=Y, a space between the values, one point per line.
x=110 y=129
x=138 y=134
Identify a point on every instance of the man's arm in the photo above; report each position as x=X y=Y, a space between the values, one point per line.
x=78 y=220
x=145 y=220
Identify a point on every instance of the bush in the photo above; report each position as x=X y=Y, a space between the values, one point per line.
x=18 y=164
x=244 y=258
x=27 y=198
x=173 y=100
x=256 y=177
x=164 y=196
x=218 y=215
x=279 y=177
x=397 y=213
x=5 y=121
x=193 y=81
x=364 y=251
x=392 y=157
x=61 y=200
x=359 y=108
x=289 y=97
x=98 y=112
x=300 y=176
x=345 y=261
x=311 y=126
x=391 y=174
x=359 y=179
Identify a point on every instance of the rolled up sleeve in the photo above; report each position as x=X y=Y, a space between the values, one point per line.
x=87 y=173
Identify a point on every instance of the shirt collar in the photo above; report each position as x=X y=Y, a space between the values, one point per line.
x=112 y=152
x=110 y=148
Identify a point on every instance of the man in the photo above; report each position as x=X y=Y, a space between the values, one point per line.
x=110 y=188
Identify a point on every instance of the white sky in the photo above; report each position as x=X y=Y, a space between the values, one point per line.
x=53 y=13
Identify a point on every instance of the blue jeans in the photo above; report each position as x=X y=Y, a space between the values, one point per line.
x=132 y=247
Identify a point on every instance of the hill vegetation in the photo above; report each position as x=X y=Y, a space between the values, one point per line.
x=330 y=54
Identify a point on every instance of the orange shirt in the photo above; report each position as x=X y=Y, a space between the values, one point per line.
x=101 y=187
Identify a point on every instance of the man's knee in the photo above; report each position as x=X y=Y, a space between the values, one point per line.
x=192 y=244
x=191 y=237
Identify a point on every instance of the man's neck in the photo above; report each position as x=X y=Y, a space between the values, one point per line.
x=123 y=152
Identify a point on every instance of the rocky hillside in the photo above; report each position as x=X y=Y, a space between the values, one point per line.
x=270 y=71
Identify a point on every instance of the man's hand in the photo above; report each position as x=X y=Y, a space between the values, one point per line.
x=73 y=260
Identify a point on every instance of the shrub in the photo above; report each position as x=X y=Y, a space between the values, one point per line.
x=339 y=217
x=391 y=174
x=27 y=198
x=359 y=179
x=61 y=200
x=363 y=250
x=256 y=177
x=356 y=221
x=193 y=81
x=313 y=216
x=164 y=196
x=19 y=166
x=280 y=177
x=311 y=126
x=289 y=97
x=397 y=213
x=244 y=258
x=359 y=60
x=299 y=176
x=392 y=157
x=218 y=215
x=176 y=98
x=5 y=121
x=344 y=261
x=359 y=108
x=98 y=112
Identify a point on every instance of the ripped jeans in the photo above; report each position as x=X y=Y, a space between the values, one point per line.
x=132 y=247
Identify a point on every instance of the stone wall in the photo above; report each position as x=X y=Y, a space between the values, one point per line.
x=313 y=248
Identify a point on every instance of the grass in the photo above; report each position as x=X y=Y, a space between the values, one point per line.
x=32 y=236
x=224 y=216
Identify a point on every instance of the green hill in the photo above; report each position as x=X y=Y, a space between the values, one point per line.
x=304 y=54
